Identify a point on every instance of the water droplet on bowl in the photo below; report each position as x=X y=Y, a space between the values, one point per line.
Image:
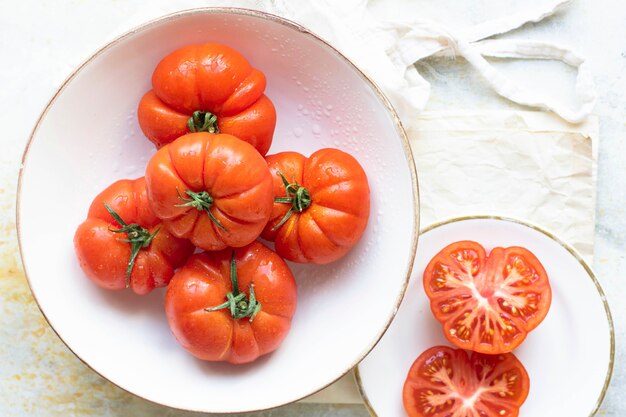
x=297 y=132
x=317 y=129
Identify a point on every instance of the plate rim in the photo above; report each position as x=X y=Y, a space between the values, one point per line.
x=573 y=251
x=400 y=130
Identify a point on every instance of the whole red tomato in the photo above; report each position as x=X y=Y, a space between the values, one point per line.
x=207 y=88
x=321 y=205
x=213 y=189
x=233 y=305
x=122 y=244
x=487 y=304
x=446 y=382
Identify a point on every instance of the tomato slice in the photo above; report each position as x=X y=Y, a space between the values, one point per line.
x=487 y=304
x=446 y=382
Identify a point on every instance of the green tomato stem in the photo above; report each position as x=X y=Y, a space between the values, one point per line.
x=238 y=303
x=298 y=196
x=202 y=121
x=138 y=237
x=201 y=201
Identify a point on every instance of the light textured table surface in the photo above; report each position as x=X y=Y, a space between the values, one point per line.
x=42 y=42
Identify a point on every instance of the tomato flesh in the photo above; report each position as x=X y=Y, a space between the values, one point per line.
x=446 y=382
x=487 y=303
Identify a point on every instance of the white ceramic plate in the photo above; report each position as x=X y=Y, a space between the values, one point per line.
x=88 y=137
x=569 y=357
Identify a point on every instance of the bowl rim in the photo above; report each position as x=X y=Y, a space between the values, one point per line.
x=569 y=248
x=401 y=132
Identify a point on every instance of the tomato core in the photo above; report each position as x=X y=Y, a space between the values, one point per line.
x=487 y=292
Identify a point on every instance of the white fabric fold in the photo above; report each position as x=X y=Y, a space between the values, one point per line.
x=387 y=51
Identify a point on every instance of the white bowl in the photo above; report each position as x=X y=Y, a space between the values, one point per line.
x=569 y=356
x=88 y=136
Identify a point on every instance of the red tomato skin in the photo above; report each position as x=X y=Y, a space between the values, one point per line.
x=207 y=77
x=339 y=212
x=489 y=269
x=203 y=283
x=102 y=254
x=231 y=171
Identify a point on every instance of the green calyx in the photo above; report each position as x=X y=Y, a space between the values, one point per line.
x=138 y=237
x=202 y=121
x=201 y=201
x=298 y=196
x=239 y=304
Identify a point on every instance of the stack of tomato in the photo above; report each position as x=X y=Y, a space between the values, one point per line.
x=208 y=194
x=487 y=304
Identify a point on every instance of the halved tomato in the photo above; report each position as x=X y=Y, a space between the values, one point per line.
x=487 y=304
x=446 y=382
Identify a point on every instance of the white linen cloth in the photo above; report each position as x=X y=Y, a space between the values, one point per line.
x=388 y=49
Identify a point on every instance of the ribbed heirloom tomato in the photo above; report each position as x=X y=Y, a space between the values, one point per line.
x=487 y=304
x=446 y=382
x=233 y=305
x=207 y=88
x=321 y=205
x=122 y=244
x=213 y=189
